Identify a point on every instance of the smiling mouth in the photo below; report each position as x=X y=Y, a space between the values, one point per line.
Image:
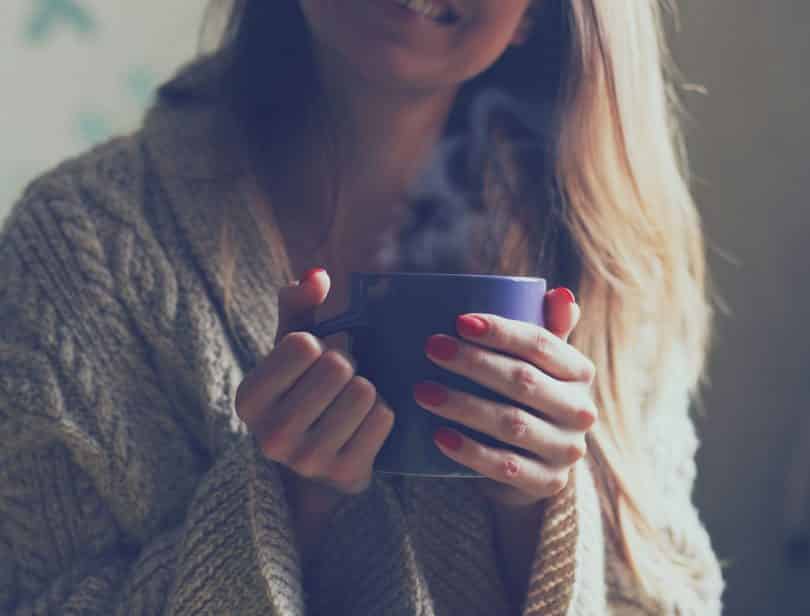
x=430 y=9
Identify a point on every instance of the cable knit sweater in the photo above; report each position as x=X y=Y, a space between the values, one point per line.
x=129 y=486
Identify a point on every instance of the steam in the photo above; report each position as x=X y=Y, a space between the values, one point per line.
x=451 y=227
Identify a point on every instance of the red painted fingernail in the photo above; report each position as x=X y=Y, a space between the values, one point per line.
x=441 y=347
x=448 y=438
x=431 y=394
x=310 y=273
x=567 y=293
x=471 y=326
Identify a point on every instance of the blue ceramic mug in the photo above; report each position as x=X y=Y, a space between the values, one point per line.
x=389 y=319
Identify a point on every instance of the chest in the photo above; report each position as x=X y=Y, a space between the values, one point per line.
x=358 y=243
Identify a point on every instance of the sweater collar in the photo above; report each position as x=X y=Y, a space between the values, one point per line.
x=188 y=140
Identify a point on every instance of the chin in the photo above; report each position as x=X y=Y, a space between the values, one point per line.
x=385 y=46
x=399 y=70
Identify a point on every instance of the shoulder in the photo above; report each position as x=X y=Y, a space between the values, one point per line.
x=105 y=179
x=60 y=228
x=104 y=309
x=110 y=179
x=59 y=298
x=65 y=248
x=88 y=215
x=77 y=252
x=63 y=232
x=111 y=168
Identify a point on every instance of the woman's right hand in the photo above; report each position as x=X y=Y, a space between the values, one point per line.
x=305 y=405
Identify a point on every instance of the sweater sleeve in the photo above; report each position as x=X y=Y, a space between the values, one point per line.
x=108 y=504
x=671 y=444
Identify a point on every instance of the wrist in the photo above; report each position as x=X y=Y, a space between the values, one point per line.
x=310 y=497
x=517 y=532
x=312 y=506
x=521 y=515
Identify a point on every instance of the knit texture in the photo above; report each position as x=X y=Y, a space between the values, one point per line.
x=127 y=483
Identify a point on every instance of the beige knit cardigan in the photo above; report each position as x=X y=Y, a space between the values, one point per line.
x=129 y=486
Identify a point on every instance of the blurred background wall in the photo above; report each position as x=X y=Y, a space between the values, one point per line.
x=749 y=139
x=73 y=72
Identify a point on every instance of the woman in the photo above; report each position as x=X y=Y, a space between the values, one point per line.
x=174 y=443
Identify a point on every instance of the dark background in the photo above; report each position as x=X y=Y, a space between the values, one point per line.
x=748 y=140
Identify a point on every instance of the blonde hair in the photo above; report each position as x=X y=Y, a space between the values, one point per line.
x=622 y=171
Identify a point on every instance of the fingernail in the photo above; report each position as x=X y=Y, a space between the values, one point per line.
x=448 y=438
x=431 y=394
x=471 y=326
x=441 y=347
x=311 y=273
x=567 y=294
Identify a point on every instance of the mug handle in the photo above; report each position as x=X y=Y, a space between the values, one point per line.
x=349 y=320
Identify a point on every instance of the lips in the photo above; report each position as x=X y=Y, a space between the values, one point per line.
x=437 y=10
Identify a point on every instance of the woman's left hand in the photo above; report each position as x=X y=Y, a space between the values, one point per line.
x=538 y=369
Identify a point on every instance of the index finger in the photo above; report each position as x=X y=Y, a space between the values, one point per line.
x=276 y=374
x=529 y=342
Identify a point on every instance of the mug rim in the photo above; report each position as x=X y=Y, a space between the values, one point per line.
x=449 y=275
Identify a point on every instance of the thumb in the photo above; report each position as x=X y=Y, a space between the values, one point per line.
x=297 y=301
x=561 y=312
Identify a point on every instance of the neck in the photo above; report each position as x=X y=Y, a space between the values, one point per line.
x=389 y=136
x=383 y=134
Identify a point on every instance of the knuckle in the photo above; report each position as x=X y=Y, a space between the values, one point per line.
x=275 y=446
x=362 y=390
x=306 y=463
x=302 y=344
x=336 y=363
x=383 y=415
x=543 y=344
x=588 y=374
x=513 y=424
x=524 y=380
x=281 y=439
x=510 y=468
x=343 y=473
